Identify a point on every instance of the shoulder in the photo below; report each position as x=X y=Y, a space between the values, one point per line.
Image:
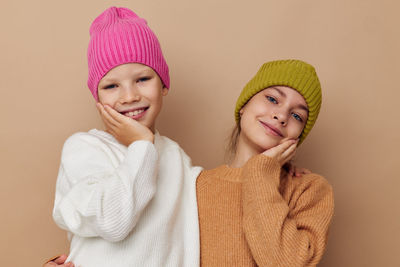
x=83 y=144
x=85 y=153
x=221 y=174
x=215 y=171
x=170 y=151
x=310 y=184
x=208 y=178
x=312 y=179
x=168 y=147
x=77 y=140
x=92 y=137
x=165 y=143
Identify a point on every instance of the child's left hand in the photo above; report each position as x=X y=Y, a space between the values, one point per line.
x=124 y=129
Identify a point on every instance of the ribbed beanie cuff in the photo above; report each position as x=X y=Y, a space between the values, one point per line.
x=295 y=74
x=118 y=36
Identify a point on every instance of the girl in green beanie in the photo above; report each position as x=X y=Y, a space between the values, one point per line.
x=253 y=212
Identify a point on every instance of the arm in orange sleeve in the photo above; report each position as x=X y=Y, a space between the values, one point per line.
x=285 y=226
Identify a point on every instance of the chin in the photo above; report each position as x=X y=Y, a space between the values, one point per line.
x=266 y=143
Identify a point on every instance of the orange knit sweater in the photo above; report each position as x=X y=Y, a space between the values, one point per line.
x=258 y=215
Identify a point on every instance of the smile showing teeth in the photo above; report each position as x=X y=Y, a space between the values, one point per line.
x=134 y=113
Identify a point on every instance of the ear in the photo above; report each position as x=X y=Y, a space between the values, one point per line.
x=164 y=91
x=241 y=112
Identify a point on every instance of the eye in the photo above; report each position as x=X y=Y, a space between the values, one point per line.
x=143 y=79
x=110 y=86
x=271 y=99
x=297 y=117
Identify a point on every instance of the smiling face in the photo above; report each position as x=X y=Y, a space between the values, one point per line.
x=134 y=90
x=272 y=116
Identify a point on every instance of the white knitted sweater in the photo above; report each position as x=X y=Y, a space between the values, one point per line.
x=127 y=206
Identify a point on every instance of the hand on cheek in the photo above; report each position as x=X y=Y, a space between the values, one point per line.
x=283 y=152
x=124 y=129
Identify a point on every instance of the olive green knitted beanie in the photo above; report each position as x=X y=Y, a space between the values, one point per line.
x=295 y=74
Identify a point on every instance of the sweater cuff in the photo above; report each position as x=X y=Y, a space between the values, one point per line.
x=262 y=166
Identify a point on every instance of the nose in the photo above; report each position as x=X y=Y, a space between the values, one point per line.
x=129 y=94
x=281 y=119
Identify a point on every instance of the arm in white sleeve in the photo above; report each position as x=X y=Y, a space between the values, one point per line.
x=96 y=195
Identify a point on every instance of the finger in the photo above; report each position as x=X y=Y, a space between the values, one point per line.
x=285 y=145
x=53 y=264
x=106 y=116
x=295 y=172
x=279 y=149
x=61 y=259
x=118 y=117
x=109 y=127
x=98 y=106
x=50 y=264
x=108 y=124
x=292 y=169
x=112 y=132
x=289 y=153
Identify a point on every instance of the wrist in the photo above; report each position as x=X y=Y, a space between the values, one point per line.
x=264 y=163
x=148 y=137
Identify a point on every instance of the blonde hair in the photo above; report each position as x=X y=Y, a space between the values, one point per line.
x=232 y=141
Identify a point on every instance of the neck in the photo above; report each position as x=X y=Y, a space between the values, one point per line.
x=244 y=151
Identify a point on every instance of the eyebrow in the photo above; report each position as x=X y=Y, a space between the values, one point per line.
x=284 y=95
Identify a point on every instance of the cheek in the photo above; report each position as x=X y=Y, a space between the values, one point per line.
x=107 y=99
x=155 y=97
x=261 y=108
x=245 y=121
x=252 y=114
x=295 y=131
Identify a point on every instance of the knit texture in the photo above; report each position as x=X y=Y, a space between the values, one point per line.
x=258 y=215
x=118 y=36
x=296 y=74
x=127 y=206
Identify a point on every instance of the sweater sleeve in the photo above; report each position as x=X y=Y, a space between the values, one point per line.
x=98 y=196
x=279 y=231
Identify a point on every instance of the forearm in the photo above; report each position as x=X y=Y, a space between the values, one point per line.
x=107 y=203
x=284 y=232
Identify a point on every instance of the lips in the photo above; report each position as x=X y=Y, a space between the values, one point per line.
x=271 y=129
x=136 y=113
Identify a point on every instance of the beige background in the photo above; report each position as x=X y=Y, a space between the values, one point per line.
x=213 y=48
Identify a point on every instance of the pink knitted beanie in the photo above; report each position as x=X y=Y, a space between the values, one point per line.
x=118 y=36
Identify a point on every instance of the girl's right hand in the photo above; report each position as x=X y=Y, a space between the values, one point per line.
x=282 y=152
x=60 y=261
x=124 y=129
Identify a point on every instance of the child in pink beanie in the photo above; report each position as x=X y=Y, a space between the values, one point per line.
x=127 y=195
